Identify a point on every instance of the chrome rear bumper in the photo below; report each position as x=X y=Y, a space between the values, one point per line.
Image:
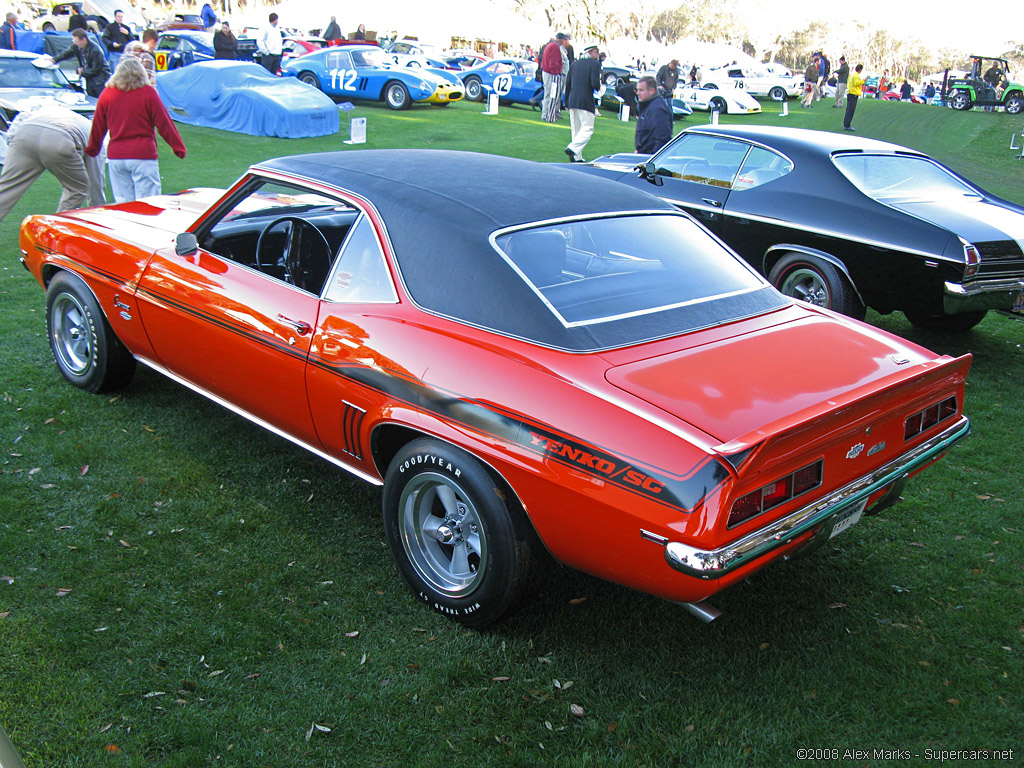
x=715 y=563
x=982 y=294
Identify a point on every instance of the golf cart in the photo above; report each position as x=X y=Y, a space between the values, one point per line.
x=987 y=84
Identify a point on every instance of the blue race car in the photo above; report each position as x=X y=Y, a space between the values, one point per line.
x=181 y=47
x=367 y=72
x=512 y=79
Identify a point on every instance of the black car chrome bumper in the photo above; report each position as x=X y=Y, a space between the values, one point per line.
x=713 y=564
x=981 y=294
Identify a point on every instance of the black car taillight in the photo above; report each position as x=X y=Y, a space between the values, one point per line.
x=928 y=418
x=772 y=495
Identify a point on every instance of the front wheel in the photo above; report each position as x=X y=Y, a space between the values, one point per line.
x=1015 y=104
x=611 y=79
x=777 y=93
x=396 y=95
x=461 y=544
x=86 y=350
x=958 y=323
x=718 y=104
x=474 y=89
x=817 y=282
x=48 y=27
x=960 y=100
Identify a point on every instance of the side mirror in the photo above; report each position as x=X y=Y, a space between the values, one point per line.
x=185 y=244
x=649 y=171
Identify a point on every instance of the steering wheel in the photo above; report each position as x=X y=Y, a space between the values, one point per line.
x=303 y=270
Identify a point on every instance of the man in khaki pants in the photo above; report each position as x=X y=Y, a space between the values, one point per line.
x=51 y=139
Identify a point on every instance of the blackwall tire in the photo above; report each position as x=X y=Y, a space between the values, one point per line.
x=463 y=547
x=817 y=282
x=958 y=323
x=310 y=79
x=778 y=93
x=84 y=347
x=474 y=89
x=396 y=95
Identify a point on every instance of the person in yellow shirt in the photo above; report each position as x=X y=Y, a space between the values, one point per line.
x=854 y=88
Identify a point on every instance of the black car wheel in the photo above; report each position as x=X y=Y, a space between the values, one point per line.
x=48 y=27
x=778 y=93
x=396 y=95
x=474 y=89
x=310 y=79
x=1015 y=104
x=960 y=100
x=718 y=103
x=958 y=323
x=816 y=282
x=611 y=79
x=461 y=544
x=87 y=352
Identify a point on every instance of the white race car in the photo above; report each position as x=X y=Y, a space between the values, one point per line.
x=734 y=101
x=758 y=83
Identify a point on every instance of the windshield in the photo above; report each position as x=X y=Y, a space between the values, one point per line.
x=369 y=57
x=22 y=73
x=901 y=177
x=599 y=270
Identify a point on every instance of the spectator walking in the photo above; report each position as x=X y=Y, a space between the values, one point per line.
x=92 y=64
x=333 y=31
x=842 y=75
x=51 y=139
x=906 y=91
x=225 y=44
x=145 y=52
x=883 y=85
x=667 y=78
x=824 y=70
x=271 y=45
x=853 y=92
x=209 y=16
x=8 y=38
x=130 y=110
x=583 y=80
x=551 y=70
x=810 y=83
x=116 y=36
x=929 y=93
x=653 y=117
x=77 y=19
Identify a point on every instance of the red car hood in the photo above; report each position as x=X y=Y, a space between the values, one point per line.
x=135 y=221
x=747 y=387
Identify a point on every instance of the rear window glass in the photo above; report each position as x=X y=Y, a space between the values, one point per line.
x=901 y=177
x=599 y=270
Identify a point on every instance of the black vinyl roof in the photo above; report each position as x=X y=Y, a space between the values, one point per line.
x=794 y=141
x=440 y=207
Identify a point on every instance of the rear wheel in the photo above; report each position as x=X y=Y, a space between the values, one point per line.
x=86 y=350
x=958 y=323
x=778 y=93
x=48 y=27
x=710 y=87
x=817 y=282
x=1015 y=104
x=310 y=79
x=396 y=95
x=461 y=544
x=474 y=89
x=960 y=100
x=611 y=79
x=718 y=103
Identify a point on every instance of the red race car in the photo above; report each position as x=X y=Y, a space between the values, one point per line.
x=591 y=378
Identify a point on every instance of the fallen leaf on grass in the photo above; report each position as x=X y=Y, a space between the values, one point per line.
x=153 y=694
x=315 y=728
x=216 y=672
x=112 y=749
x=4 y=614
x=352 y=634
x=124 y=543
x=61 y=591
x=106 y=727
x=837 y=605
x=501 y=679
x=576 y=710
x=577 y=600
x=954 y=702
x=34 y=470
x=253 y=676
x=83 y=470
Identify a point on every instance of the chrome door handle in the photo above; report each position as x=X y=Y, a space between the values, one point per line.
x=709 y=201
x=300 y=326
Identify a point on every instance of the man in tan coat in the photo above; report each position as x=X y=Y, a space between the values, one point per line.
x=51 y=139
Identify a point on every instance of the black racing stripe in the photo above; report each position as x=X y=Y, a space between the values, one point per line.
x=684 y=492
x=79 y=266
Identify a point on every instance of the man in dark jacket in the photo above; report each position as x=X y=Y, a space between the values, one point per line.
x=583 y=79
x=654 y=118
x=668 y=78
x=77 y=19
x=225 y=44
x=116 y=36
x=92 y=64
x=8 y=40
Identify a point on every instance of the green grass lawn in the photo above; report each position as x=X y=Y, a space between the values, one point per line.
x=181 y=588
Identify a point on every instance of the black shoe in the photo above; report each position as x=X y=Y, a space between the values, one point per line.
x=572 y=156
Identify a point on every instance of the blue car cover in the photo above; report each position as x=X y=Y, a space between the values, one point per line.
x=243 y=97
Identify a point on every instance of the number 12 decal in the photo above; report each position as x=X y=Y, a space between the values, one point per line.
x=343 y=79
x=503 y=85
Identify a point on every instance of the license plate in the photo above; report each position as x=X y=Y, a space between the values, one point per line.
x=847 y=518
x=1018 y=305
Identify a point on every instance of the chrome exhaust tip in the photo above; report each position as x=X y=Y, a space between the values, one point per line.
x=703 y=610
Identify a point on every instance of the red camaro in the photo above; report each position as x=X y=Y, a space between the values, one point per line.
x=590 y=377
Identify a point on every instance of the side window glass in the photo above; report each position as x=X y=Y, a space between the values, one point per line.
x=167 y=43
x=762 y=165
x=339 y=60
x=361 y=273
x=703 y=159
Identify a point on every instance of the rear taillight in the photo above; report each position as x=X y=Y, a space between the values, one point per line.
x=928 y=418
x=973 y=259
x=772 y=495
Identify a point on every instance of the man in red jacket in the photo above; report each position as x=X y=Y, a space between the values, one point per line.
x=551 y=64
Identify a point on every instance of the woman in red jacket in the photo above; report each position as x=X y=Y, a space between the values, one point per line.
x=130 y=110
